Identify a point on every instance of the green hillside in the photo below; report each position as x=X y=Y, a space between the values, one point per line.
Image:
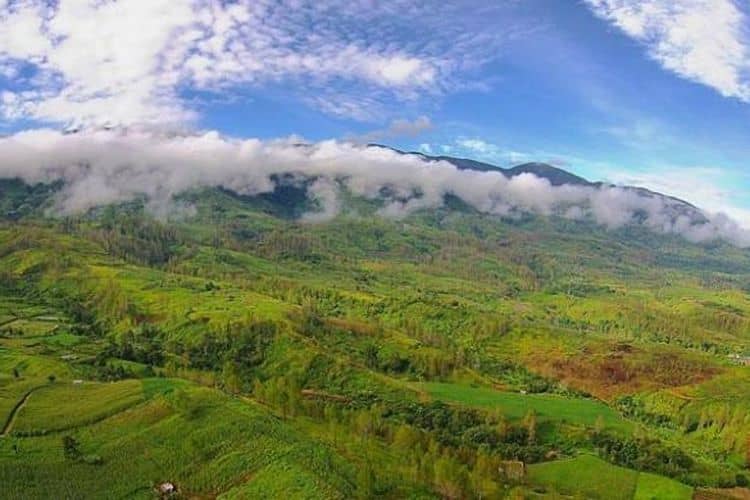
x=240 y=352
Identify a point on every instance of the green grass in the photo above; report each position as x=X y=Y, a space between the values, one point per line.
x=63 y=340
x=586 y=475
x=64 y=405
x=653 y=487
x=156 y=386
x=594 y=478
x=33 y=371
x=32 y=365
x=282 y=480
x=515 y=405
x=30 y=327
x=11 y=393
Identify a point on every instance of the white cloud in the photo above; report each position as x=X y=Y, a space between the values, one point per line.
x=479 y=147
x=95 y=61
x=701 y=40
x=712 y=188
x=132 y=61
x=399 y=71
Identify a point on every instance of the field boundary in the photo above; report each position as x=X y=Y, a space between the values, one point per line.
x=14 y=411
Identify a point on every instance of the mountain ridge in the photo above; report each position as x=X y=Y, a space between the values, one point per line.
x=555 y=175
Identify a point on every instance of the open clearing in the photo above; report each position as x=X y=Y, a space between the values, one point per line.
x=515 y=405
x=595 y=478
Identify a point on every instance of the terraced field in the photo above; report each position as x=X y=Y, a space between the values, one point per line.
x=68 y=405
x=196 y=438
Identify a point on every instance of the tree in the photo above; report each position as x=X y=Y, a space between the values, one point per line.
x=483 y=476
x=371 y=356
x=282 y=400
x=405 y=438
x=599 y=425
x=70 y=448
x=16 y=374
x=364 y=424
x=259 y=390
x=231 y=377
x=51 y=377
x=365 y=481
x=529 y=423
x=450 y=477
x=502 y=427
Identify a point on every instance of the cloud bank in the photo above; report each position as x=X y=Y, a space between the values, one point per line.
x=101 y=167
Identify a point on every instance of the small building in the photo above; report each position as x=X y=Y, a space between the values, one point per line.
x=77 y=381
x=167 y=488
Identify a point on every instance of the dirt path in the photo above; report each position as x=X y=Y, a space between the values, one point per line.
x=12 y=417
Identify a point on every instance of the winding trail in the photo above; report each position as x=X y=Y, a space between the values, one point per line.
x=12 y=416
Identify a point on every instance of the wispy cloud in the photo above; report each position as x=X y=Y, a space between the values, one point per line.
x=480 y=149
x=638 y=132
x=397 y=128
x=704 y=41
x=134 y=61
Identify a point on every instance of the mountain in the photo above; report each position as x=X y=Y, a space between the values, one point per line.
x=234 y=348
x=555 y=175
x=673 y=208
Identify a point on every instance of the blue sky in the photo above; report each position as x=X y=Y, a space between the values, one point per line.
x=648 y=92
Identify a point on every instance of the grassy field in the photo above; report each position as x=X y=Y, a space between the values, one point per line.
x=32 y=371
x=583 y=412
x=11 y=394
x=653 y=487
x=594 y=478
x=64 y=405
x=586 y=475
